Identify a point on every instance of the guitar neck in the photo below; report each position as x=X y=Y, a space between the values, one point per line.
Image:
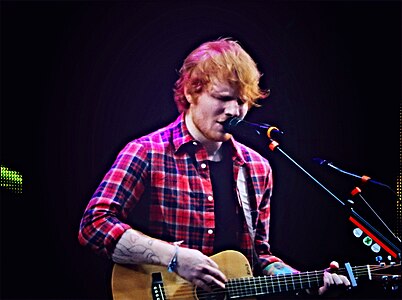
x=263 y=285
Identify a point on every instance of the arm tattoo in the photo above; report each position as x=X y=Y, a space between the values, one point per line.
x=134 y=249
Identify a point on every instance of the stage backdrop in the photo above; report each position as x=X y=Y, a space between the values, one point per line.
x=79 y=80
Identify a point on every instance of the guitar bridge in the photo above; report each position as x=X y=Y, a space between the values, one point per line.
x=157 y=288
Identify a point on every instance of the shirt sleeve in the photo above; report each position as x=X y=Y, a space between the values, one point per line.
x=102 y=223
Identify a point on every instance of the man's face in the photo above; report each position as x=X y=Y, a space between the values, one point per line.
x=214 y=107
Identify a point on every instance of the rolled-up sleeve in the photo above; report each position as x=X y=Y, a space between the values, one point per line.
x=102 y=223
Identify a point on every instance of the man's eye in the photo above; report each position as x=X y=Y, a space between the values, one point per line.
x=225 y=98
x=229 y=98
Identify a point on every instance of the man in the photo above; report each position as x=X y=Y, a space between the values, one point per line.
x=189 y=190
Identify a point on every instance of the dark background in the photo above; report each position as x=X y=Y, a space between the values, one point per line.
x=81 y=79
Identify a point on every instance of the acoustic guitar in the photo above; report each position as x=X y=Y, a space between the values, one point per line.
x=152 y=282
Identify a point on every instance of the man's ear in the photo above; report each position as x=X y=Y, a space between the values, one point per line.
x=188 y=96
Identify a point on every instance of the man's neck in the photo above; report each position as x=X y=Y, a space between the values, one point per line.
x=213 y=148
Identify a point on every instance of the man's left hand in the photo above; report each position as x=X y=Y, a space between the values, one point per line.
x=334 y=284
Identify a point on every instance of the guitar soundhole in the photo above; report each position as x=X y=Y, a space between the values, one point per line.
x=216 y=294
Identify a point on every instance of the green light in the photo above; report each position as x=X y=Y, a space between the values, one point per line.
x=367 y=241
x=11 y=180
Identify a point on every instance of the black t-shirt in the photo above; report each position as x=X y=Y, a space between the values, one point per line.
x=228 y=215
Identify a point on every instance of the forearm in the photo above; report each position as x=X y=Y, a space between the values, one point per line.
x=277 y=268
x=136 y=248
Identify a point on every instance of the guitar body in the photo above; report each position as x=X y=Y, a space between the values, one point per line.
x=135 y=281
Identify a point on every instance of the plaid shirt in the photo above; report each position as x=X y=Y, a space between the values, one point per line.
x=160 y=184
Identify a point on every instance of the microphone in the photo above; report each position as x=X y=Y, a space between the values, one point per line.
x=363 y=178
x=251 y=131
x=322 y=162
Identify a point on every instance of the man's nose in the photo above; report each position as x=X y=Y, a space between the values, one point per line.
x=232 y=108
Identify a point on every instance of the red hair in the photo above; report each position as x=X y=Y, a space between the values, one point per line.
x=222 y=60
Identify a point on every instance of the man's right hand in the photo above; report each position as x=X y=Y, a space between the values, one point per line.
x=199 y=269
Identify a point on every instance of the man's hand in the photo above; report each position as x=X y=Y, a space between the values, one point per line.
x=199 y=269
x=334 y=284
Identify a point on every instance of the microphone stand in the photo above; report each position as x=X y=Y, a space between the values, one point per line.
x=364 y=178
x=357 y=191
x=354 y=217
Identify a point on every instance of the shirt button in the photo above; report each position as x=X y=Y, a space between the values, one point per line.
x=210 y=231
x=203 y=165
x=195 y=143
x=210 y=198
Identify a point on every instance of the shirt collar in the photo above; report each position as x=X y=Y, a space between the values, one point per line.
x=181 y=135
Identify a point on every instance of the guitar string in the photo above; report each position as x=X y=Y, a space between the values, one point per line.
x=251 y=282
x=254 y=284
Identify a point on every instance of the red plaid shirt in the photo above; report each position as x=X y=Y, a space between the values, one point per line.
x=160 y=184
